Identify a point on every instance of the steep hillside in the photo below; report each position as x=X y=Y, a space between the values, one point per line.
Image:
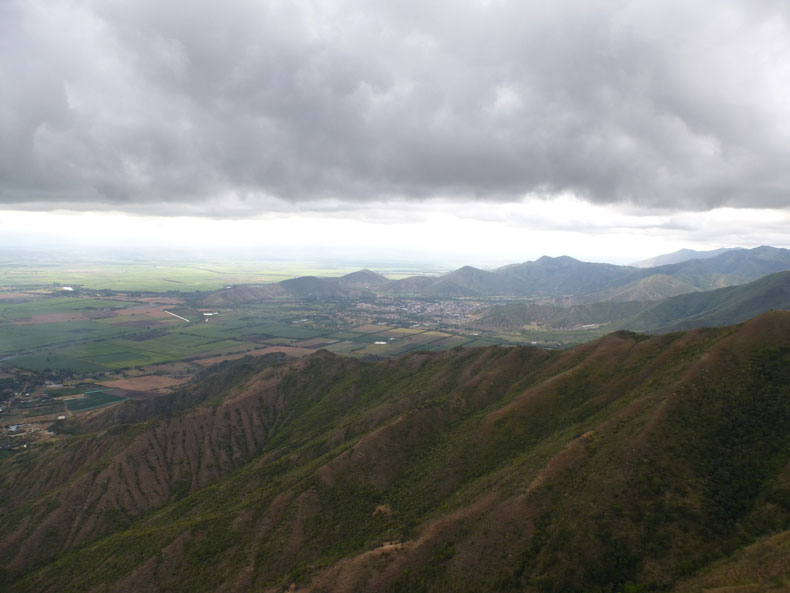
x=716 y=307
x=413 y=285
x=310 y=287
x=700 y=309
x=515 y=316
x=626 y=464
x=314 y=287
x=236 y=295
x=650 y=288
x=680 y=256
x=762 y=566
x=467 y=282
x=731 y=268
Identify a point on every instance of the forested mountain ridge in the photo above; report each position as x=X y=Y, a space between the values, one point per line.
x=629 y=463
x=547 y=277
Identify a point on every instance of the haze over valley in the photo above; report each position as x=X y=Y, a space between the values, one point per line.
x=89 y=334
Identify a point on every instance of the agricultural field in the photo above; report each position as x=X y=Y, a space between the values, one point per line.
x=92 y=400
x=97 y=335
x=134 y=330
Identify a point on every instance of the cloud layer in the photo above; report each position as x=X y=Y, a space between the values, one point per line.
x=663 y=104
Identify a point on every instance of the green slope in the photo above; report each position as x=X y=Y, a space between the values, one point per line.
x=762 y=566
x=517 y=315
x=717 y=307
x=723 y=306
x=630 y=463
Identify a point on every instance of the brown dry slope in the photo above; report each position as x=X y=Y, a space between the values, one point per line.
x=627 y=464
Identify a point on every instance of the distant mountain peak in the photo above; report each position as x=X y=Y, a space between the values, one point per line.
x=363 y=272
x=364 y=279
x=364 y=275
x=467 y=269
x=560 y=259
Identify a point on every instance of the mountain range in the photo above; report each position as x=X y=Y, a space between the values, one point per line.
x=628 y=464
x=562 y=280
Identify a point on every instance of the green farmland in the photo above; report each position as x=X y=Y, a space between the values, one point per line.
x=123 y=317
x=110 y=335
x=91 y=400
x=111 y=329
x=74 y=390
x=90 y=335
x=50 y=361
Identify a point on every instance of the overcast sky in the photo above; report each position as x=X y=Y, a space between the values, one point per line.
x=608 y=130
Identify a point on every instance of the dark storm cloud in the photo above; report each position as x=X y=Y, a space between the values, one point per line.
x=664 y=103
